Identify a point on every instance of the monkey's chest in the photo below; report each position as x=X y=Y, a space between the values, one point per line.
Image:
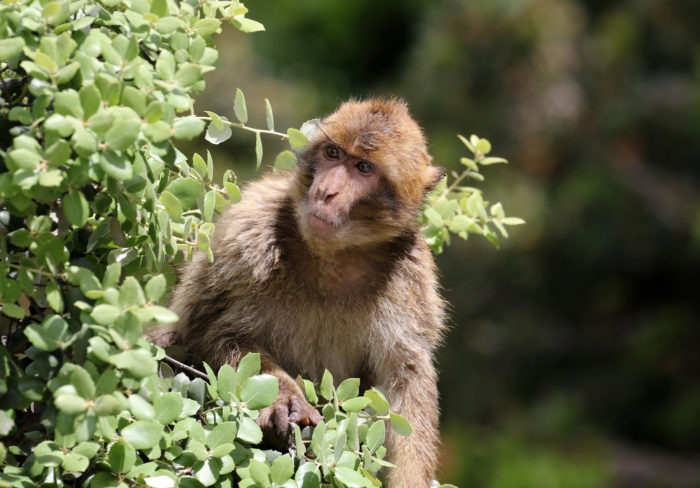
x=310 y=337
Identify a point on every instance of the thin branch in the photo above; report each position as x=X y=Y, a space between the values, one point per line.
x=174 y=362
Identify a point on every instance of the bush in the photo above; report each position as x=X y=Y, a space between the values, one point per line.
x=97 y=207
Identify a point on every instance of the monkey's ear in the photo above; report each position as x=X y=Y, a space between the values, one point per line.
x=435 y=174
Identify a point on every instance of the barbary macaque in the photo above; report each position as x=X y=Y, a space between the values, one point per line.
x=326 y=268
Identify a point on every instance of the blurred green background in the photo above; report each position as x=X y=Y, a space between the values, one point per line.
x=573 y=359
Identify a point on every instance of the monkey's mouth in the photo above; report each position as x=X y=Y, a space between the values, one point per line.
x=317 y=222
x=322 y=227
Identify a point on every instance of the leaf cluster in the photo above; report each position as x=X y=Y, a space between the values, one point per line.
x=455 y=208
x=97 y=207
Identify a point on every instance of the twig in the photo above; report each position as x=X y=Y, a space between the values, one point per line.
x=174 y=362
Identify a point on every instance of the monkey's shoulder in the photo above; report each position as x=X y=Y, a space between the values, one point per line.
x=245 y=232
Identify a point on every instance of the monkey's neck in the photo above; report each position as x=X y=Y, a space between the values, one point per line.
x=350 y=270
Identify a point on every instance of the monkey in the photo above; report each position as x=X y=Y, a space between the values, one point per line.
x=325 y=267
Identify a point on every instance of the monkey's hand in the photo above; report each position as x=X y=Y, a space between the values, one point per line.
x=277 y=419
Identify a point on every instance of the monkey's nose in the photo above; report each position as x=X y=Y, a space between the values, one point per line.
x=328 y=196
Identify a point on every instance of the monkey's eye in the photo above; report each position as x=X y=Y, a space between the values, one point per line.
x=364 y=167
x=332 y=152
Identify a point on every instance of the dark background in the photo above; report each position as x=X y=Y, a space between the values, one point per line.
x=573 y=359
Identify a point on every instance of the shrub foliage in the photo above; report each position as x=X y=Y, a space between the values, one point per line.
x=97 y=207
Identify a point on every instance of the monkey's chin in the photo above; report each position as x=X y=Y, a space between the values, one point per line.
x=320 y=231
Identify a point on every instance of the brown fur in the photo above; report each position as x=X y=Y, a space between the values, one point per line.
x=361 y=301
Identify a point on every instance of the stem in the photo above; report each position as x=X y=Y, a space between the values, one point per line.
x=454 y=184
x=240 y=125
x=33 y=270
x=174 y=362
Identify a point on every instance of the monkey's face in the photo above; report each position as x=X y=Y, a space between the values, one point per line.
x=363 y=177
x=342 y=189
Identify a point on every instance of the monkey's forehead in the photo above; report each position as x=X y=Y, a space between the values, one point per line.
x=363 y=128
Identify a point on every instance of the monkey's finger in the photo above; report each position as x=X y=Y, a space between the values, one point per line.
x=300 y=412
x=296 y=410
x=281 y=419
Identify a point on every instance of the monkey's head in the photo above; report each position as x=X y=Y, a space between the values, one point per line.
x=363 y=177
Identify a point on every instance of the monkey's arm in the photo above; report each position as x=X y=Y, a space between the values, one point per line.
x=411 y=387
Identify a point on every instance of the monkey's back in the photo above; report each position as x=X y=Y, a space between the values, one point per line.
x=266 y=290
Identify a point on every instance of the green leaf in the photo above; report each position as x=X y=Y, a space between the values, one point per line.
x=259 y=472
x=23 y=159
x=49 y=335
x=248 y=366
x=326 y=388
x=141 y=408
x=233 y=192
x=227 y=383
x=54 y=296
x=239 y=107
x=188 y=74
x=433 y=217
x=258 y=150
x=138 y=362
x=165 y=64
x=187 y=190
x=75 y=463
x=131 y=294
x=168 y=407
x=310 y=391
x=282 y=469
x=297 y=139
x=187 y=128
x=123 y=134
x=249 y=431
x=67 y=102
x=259 y=391
x=375 y=435
x=483 y=146
x=400 y=424
x=349 y=388
x=116 y=166
x=269 y=117
x=317 y=438
x=161 y=314
x=82 y=382
x=467 y=143
x=16 y=312
x=70 y=404
x=122 y=457
x=379 y=402
x=512 y=221
x=51 y=178
x=218 y=131
x=209 y=204
x=105 y=314
x=207 y=26
x=286 y=160
x=172 y=204
x=492 y=160
x=208 y=471
x=247 y=25
x=308 y=476
x=87 y=449
x=350 y=477
x=155 y=288
x=76 y=208
x=143 y=434
x=222 y=433
x=90 y=99
x=11 y=47
x=356 y=404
